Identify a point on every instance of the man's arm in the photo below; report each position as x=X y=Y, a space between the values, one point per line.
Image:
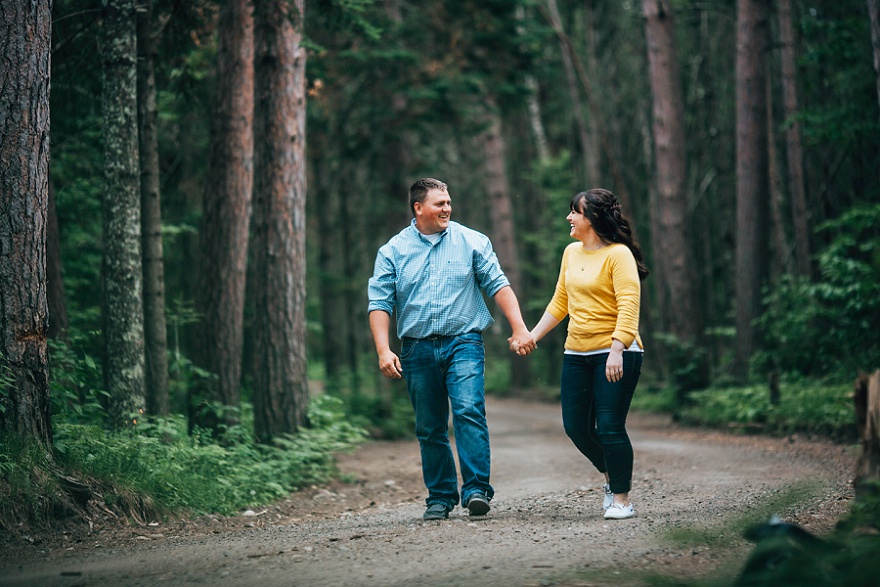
x=389 y=363
x=506 y=300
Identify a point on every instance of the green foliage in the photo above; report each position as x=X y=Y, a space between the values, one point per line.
x=687 y=362
x=830 y=327
x=75 y=382
x=386 y=417
x=836 y=69
x=176 y=471
x=804 y=407
x=6 y=382
x=28 y=488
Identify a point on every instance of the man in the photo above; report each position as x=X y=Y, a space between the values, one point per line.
x=432 y=274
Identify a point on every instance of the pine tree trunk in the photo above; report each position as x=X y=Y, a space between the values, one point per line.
x=332 y=275
x=24 y=138
x=676 y=283
x=122 y=267
x=55 y=296
x=155 y=337
x=779 y=261
x=752 y=44
x=227 y=207
x=280 y=375
x=620 y=189
x=573 y=93
x=797 y=185
x=867 y=406
x=592 y=156
x=504 y=234
x=874 y=15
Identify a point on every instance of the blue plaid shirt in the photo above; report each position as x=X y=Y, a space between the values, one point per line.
x=435 y=287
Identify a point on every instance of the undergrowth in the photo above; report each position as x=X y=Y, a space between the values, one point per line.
x=804 y=406
x=192 y=472
x=159 y=468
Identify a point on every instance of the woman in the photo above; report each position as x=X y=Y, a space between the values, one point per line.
x=599 y=289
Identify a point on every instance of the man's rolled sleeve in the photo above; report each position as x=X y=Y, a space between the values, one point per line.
x=382 y=288
x=487 y=269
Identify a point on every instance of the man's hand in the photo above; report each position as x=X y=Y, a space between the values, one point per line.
x=389 y=365
x=522 y=342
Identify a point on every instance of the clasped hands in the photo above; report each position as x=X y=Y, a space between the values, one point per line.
x=522 y=345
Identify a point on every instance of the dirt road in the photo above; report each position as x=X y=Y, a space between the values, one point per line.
x=545 y=527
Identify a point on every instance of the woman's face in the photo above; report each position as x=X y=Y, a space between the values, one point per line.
x=580 y=226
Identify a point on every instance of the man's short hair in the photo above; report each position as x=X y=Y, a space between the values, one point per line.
x=420 y=189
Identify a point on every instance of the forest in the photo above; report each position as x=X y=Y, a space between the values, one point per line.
x=193 y=194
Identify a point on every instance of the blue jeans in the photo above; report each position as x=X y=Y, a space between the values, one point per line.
x=441 y=372
x=594 y=413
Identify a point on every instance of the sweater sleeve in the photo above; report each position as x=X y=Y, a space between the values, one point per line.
x=627 y=290
x=558 y=306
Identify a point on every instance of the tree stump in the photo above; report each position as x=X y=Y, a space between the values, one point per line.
x=867 y=404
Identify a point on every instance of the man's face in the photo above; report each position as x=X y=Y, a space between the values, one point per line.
x=432 y=214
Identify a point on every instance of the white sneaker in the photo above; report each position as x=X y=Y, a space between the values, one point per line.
x=609 y=497
x=619 y=511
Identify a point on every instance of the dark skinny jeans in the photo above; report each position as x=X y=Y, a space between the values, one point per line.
x=594 y=413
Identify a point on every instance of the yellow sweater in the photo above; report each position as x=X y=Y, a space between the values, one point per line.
x=600 y=292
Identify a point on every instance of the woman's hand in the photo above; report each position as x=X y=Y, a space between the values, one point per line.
x=614 y=364
x=522 y=345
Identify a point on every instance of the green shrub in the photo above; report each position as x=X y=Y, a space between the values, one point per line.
x=832 y=326
x=804 y=407
x=176 y=471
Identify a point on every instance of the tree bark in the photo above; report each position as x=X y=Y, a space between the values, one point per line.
x=504 y=233
x=593 y=155
x=534 y=104
x=227 y=207
x=55 y=296
x=780 y=259
x=874 y=16
x=797 y=186
x=867 y=407
x=752 y=41
x=280 y=375
x=122 y=267
x=573 y=93
x=155 y=336
x=25 y=408
x=620 y=188
x=670 y=232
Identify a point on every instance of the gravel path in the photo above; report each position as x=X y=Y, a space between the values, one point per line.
x=545 y=527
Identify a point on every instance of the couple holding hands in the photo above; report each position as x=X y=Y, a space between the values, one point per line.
x=433 y=274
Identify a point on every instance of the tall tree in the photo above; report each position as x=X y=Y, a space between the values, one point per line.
x=794 y=145
x=55 y=296
x=280 y=376
x=592 y=157
x=752 y=43
x=573 y=93
x=620 y=187
x=24 y=192
x=503 y=231
x=122 y=267
x=874 y=16
x=155 y=338
x=679 y=311
x=226 y=206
